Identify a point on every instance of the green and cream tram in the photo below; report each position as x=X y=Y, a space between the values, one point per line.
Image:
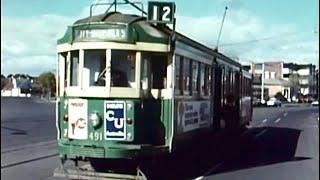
x=127 y=90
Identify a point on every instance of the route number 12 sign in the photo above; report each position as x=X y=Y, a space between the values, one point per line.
x=161 y=12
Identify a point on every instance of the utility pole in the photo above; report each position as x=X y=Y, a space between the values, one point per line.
x=224 y=15
x=262 y=85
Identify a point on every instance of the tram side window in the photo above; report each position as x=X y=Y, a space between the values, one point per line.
x=203 y=76
x=223 y=85
x=74 y=68
x=63 y=65
x=208 y=79
x=186 y=76
x=248 y=87
x=94 y=66
x=195 y=79
x=228 y=82
x=178 y=74
x=242 y=88
x=123 y=68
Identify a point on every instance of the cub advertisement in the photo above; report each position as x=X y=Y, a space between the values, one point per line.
x=115 y=118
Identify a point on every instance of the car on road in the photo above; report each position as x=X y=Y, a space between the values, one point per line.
x=315 y=103
x=274 y=102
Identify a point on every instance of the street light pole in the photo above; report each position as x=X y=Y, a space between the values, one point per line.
x=262 y=85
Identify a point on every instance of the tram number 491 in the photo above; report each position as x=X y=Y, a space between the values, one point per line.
x=161 y=12
x=95 y=136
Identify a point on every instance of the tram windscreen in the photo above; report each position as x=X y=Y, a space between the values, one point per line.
x=94 y=64
x=123 y=68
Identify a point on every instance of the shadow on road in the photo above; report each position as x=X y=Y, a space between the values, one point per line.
x=229 y=152
x=258 y=147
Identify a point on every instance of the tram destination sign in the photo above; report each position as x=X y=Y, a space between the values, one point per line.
x=115 y=33
x=161 y=12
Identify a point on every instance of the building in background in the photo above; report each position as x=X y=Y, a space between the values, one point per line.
x=18 y=85
x=278 y=78
x=306 y=74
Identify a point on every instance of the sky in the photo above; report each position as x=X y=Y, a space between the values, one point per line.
x=253 y=30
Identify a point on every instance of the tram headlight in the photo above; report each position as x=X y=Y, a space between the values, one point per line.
x=65 y=118
x=95 y=119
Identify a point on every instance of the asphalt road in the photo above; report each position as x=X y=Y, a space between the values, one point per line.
x=26 y=121
x=281 y=143
x=284 y=145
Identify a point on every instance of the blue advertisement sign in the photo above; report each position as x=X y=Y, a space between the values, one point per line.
x=115 y=120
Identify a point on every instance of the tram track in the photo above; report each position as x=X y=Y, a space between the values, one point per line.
x=28 y=161
x=28 y=153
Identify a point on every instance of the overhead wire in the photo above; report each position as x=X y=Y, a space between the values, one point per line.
x=261 y=39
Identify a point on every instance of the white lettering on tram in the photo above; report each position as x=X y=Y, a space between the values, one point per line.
x=118 y=123
x=115 y=106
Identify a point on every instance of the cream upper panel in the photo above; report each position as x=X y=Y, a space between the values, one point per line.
x=139 y=46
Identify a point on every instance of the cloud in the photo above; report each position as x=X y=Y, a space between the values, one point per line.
x=28 y=44
x=246 y=36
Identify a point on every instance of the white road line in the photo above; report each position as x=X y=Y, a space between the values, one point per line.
x=285 y=114
x=209 y=171
x=264 y=121
x=277 y=120
x=262 y=132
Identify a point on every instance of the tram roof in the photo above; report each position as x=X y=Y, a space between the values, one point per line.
x=112 y=17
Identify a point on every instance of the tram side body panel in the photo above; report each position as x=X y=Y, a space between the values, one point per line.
x=193 y=99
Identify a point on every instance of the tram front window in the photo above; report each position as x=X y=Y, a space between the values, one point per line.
x=74 y=68
x=123 y=68
x=94 y=64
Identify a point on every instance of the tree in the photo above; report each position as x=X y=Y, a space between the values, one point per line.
x=294 y=83
x=3 y=81
x=47 y=83
x=280 y=96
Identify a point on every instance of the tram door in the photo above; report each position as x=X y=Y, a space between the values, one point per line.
x=153 y=81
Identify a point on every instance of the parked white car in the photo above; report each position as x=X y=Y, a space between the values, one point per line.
x=274 y=102
x=315 y=103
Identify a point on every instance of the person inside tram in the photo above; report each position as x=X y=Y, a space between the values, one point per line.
x=119 y=78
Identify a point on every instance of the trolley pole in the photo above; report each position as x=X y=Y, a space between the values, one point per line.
x=224 y=15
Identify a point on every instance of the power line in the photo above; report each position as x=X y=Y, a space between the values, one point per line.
x=261 y=39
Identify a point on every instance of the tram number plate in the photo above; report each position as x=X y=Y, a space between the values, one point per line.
x=115 y=124
x=96 y=136
x=161 y=12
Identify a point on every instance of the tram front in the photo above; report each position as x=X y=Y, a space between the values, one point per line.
x=114 y=83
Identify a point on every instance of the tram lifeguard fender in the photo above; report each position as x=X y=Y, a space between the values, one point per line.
x=138 y=29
